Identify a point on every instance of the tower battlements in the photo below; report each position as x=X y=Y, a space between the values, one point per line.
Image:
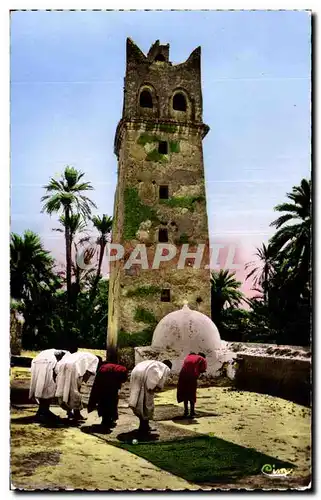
x=160 y=196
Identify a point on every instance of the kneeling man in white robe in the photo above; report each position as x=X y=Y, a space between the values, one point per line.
x=72 y=371
x=146 y=378
x=43 y=383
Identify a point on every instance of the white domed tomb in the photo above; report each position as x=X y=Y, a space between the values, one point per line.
x=184 y=331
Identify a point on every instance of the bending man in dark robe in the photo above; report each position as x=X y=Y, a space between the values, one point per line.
x=193 y=366
x=104 y=392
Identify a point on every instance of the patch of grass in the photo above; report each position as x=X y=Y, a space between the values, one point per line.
x=144 y=291
x=204 y=459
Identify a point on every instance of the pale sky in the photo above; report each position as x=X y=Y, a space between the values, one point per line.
x=67 y=71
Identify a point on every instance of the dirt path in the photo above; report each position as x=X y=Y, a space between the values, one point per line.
x=69 y=458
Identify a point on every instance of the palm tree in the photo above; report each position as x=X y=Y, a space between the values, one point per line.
x=262 y=273
x=30 y=266
x=104 y=226
x=67 y=196
x=292 y=241
x=224 y=291
x=77 y=225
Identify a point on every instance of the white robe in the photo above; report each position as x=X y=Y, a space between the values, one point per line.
x=145 y=378
x=70 y=371
x=42 y=384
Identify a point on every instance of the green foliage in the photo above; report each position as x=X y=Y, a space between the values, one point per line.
x=154 y=155
x=68 y=192
x=31 y=266
x=144 y=291
x=282 y=275
x=183 y=239
x=135 y=212
x=224 y=292
x=92 y=316
x=143 y=338
x=183 y=201
x=145 y=138
x=145 y=316
x=174 y=146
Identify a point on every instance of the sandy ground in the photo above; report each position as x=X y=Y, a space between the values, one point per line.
x=69 y=457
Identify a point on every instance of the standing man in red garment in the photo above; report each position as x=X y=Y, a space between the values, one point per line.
x=104 y=392
x=193 y=366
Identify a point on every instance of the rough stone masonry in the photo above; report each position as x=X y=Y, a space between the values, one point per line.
x=160 y=195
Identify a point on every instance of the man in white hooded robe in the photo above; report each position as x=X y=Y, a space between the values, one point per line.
x=146 y=378
x=72 y=371
x=43 y=383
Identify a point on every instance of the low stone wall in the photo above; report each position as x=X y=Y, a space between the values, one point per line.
x=283 y=371
x=288 y=378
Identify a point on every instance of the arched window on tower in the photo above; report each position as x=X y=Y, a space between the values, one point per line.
x=160 y=57
x=145 y=99
x=179 y=102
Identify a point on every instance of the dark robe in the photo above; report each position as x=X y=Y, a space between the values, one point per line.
x=192 y=367
x=104 y=392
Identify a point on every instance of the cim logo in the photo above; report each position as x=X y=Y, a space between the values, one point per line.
x=271 y=471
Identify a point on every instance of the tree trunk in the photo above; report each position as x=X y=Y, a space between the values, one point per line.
x=100 y=261
x=68 y=255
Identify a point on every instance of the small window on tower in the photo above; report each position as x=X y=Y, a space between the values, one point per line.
x=160 y=57
x=163 y=147
x=163 y=192
x=145 y=99
x=166 y=295
x=163 y=235
x=179 y=102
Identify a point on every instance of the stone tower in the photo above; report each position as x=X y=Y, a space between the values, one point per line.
x=160 y=195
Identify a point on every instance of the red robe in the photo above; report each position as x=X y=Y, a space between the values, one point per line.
x=192 y=367
x=104 y=392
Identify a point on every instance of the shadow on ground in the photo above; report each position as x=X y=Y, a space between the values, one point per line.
x=203 y=459
x=49 y=424
x=176 y=412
